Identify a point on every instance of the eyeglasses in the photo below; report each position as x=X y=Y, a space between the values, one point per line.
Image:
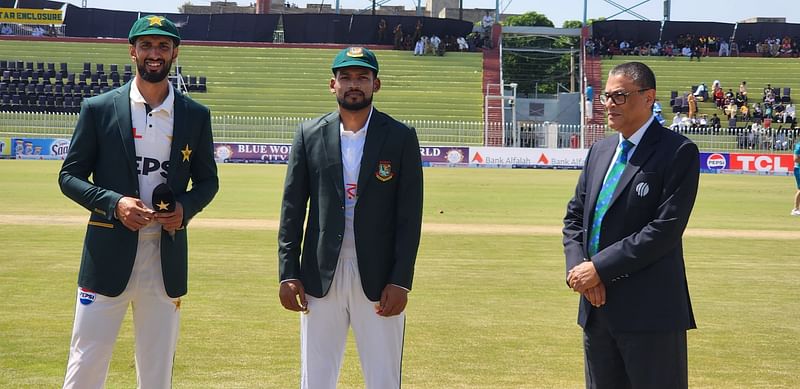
x=618 y=98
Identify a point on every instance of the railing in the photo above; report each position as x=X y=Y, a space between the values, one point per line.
x=544 y=135
x=238 y=128
x=28 y=29
x=777 y=140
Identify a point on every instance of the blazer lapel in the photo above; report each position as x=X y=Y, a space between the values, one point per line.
x=332 y=144
x=643 y=152
x=602 y=161
x=180 y=137
x=122 y=106
x=376 y=135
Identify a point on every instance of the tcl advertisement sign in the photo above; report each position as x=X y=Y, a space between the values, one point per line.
x=774 y=163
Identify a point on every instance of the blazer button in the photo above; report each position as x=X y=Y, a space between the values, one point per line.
x=339 y=236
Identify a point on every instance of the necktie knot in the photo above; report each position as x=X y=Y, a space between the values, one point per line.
x=625 y=147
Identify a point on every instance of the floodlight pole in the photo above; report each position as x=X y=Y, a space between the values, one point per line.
x=513 y=102
x=584 y=12
x=582 y=75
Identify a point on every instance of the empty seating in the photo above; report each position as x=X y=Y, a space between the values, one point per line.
x=45 y=87
x=192 y=83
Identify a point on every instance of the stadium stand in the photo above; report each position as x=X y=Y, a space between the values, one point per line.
x=28 y=88
x=291 y=82
x=676 y=78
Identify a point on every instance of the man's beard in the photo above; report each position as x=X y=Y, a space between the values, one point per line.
x=153 y=77
x=357 y=106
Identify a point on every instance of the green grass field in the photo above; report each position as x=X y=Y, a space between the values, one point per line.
x=488 y=310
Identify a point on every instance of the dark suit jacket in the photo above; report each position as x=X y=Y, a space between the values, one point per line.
x=640 y=257
x=388 y=214
x=102 y=148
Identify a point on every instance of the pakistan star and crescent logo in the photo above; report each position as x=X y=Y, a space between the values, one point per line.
x=155 y=20
x=186 y=153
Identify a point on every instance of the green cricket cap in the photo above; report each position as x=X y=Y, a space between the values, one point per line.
x=355 y=56
x=154 y=25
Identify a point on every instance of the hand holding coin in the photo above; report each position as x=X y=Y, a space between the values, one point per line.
x=133 y=213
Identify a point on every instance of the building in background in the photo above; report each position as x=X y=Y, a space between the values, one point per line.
x=432 y=8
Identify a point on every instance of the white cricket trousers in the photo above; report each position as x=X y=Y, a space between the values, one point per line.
x=323 y=334
x=155 y=319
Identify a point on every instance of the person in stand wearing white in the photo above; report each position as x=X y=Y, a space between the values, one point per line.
x=357 y=174
x=126 y=143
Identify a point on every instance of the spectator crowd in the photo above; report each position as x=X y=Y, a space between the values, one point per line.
x=695 y=47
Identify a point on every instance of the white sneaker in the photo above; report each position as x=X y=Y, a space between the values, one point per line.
x=795 y=212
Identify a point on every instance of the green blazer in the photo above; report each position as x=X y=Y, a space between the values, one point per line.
x=388 y=213
x=100 y=168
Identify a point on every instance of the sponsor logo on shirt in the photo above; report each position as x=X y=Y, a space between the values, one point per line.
x=86 y=296
x=145 y=166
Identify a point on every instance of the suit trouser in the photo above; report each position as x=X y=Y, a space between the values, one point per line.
x=98 y=319
x=323 y=334
x=636 y=360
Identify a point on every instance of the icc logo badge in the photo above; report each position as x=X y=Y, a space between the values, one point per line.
x=642 y=189
x=384 y=172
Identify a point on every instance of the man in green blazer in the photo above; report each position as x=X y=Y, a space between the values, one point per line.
x=357 y=174
x=126 y=143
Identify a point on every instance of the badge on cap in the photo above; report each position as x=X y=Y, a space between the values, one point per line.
x=155 y=20
x=355 y=52
x=384 y=172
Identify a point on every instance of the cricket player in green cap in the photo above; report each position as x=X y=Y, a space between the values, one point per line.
x=132 y=155
x=355 y=175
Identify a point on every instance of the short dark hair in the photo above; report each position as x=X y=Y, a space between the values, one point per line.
x=639 y=73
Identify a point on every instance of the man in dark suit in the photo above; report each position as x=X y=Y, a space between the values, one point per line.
x=128 y=142
x=623 y=242
x=359 y=173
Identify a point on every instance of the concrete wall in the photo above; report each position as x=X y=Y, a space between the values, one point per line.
x=564 y=109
